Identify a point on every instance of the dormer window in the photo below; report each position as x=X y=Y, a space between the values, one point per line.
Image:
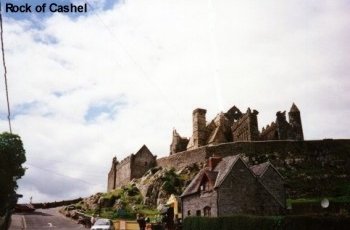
x=205 y=186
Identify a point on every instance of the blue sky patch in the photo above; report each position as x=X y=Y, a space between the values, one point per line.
x=46 y=39
x=58 y=94
x=108 y=108
x=109 y=4
x=24 y=108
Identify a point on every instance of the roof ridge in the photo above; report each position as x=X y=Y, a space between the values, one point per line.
x=192 y=183
x=237 y=157
x=267 y=163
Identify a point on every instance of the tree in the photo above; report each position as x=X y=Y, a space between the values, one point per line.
x=12 y=156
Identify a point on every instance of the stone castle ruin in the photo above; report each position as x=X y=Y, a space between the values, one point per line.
x=234 y=126
x=230 y=127
x=134 y=166
x=228 y=134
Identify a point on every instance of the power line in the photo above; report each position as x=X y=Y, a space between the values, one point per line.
x=5 y=71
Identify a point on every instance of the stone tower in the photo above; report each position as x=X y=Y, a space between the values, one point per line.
x=283 y=127
x=112 y=175
x=178 y=143
x=246 y=128
x=199 y=124
x=295 y=122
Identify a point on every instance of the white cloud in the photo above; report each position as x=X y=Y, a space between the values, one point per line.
x=162 y=59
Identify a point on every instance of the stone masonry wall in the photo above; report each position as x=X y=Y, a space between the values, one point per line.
x=124 y=173
x=311 y=168
x=142 y=162
x=268 y=205
x=275 y=184
x=237 y=193
x=196 y=203
x=111 y=180
x=183 y=159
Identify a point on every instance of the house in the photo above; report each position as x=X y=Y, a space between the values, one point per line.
x=228 y=186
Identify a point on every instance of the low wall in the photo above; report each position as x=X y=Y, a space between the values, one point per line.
x=125 y=225
x=315 y=208
x=56 y=203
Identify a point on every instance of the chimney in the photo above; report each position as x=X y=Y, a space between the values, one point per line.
x=213 y=162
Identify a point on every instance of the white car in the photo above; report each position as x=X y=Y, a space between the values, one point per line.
x=103 y=224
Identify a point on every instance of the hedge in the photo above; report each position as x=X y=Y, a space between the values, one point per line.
x=267 y=223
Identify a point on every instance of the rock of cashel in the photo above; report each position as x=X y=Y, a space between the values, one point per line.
x=309 y=167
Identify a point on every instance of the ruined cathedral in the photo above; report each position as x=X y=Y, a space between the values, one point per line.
x=234 y=126
x=230 y=127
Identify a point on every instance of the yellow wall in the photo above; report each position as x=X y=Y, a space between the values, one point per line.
x=129 y=225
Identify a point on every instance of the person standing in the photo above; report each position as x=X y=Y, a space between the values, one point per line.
x=93 y=219
x=141 y=221
x=148 y=224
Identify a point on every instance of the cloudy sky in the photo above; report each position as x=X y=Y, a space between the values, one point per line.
x=86 y=87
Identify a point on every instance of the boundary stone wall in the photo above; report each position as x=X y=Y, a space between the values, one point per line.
x=310 y=168
x=183 y=159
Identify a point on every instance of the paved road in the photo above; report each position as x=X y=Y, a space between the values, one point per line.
x=43 y=219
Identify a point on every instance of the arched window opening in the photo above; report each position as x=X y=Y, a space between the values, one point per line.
x=207 y=211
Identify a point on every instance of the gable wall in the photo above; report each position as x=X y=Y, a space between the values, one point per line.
x=275 y=184
x=237 y=193
x=267 y=205
x=142 y=162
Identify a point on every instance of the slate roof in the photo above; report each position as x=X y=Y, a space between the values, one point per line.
x=224 y=167
x=218 y=175
x=260 y=169
x=215 y=177
x=211 y=175
x=193 y=187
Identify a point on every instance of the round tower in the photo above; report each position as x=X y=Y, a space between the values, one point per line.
x=295 y=122
x=199 y=124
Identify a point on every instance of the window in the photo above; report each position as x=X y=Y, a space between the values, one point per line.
x=205 y=186
x=146 y=163
x=198 y=213
x=207 y=211
x=188 y=212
